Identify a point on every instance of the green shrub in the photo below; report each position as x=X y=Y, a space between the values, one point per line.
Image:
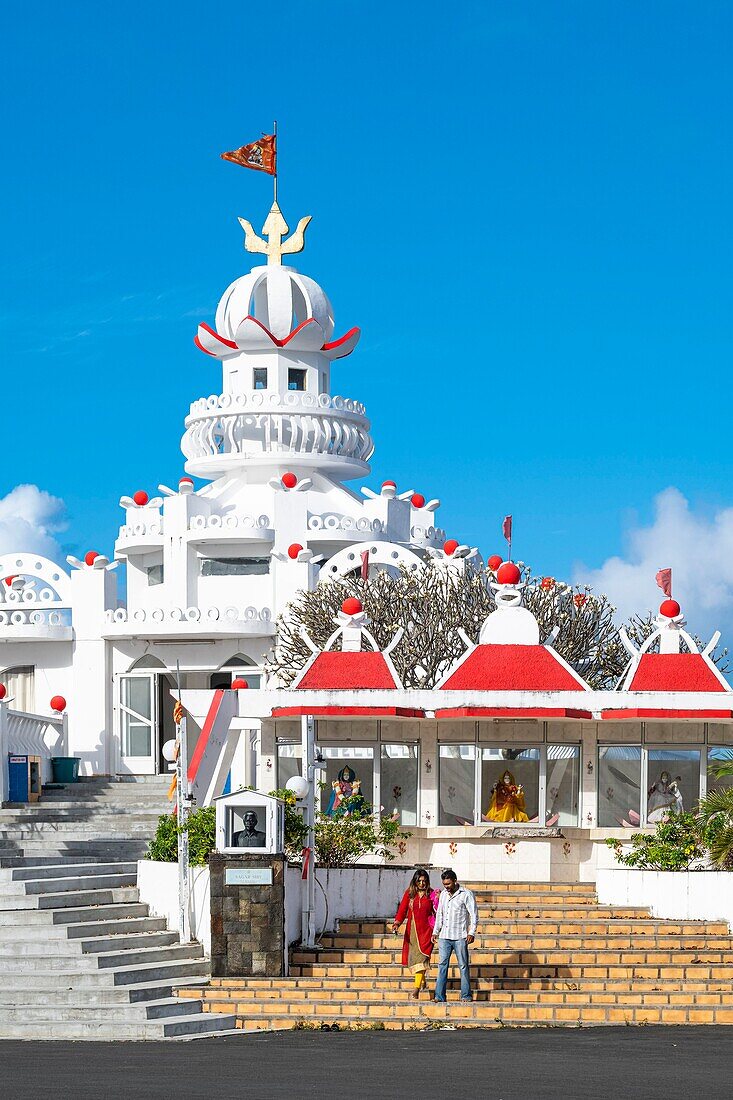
x=340 y=841
x=673 y=846
x=201 y=828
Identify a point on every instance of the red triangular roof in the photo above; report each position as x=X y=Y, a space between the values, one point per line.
x=340 y=671
x=497 y=667
x=674 y=672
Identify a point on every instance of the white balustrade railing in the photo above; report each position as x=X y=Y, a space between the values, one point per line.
x=332 y=522
x=269 y=423
x=182 y=616
x=270 y=401
x=252 y=524
x=136 y=530
x=34 y=616
x=25 y=734
x=427 y=534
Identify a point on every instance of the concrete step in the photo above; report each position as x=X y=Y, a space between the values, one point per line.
x=103 y=1012
x=173 y=953
x=35 y=931
x=112 y=928
x=123 y=941
x=160 y=972
x=72 y=899
x=101 y=995
x=114 y=1031
x=64 y=884
x=63 y=946
x=69 y=916
x=188 y=971
x=64 y=869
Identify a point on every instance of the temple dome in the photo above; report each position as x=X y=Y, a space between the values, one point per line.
x=280 y=298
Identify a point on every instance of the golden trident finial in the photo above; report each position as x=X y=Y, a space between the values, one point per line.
x=275 y=229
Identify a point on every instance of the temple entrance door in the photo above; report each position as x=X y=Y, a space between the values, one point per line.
x=139 y=723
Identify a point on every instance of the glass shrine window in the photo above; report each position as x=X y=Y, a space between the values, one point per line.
x=349 y=772
x=456 y=784
x=619 y=786
x=398 y=782
x=562 y=785
x=718 y=756
x=510 y=784
x=289 y=761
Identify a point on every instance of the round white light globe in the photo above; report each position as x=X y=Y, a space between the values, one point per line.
x=299 y=786
x=169 y=750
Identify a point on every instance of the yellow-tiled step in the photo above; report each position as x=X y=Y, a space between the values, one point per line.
x=316 y=987
x=305 y=1000
x=521 y=912
x=490 y=929
x=409 y=1014
x=557 y=964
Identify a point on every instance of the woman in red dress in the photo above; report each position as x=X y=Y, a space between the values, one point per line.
x=419 y=906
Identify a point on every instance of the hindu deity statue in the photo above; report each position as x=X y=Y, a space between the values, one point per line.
x=664 y=797
x=507 y=800
x=346 y=797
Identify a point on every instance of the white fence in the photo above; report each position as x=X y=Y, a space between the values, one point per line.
x=27 y=734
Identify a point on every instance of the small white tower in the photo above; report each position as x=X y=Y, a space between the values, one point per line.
x=274 y=336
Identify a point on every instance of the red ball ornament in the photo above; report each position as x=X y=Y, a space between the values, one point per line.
x=58 y=703
x=289 y=480
x=669 y=608
x=239 y=685
x=352 y=606
x=508 y=573
x=140 y=497
x=3 y=691
x=450 y=547
x=294 y=549
x=494 y=562
x=91 y=556
x=417 y=500
x=548 y=583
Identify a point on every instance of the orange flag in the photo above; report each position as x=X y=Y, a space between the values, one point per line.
x=260 y=155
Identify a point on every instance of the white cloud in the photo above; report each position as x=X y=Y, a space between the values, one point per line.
x=30 y=519
x=699 y=550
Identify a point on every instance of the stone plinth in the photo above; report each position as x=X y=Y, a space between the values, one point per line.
x=247 y=916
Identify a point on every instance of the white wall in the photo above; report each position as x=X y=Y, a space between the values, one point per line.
x=352 y=892
x=158 y=886
x=681 y=895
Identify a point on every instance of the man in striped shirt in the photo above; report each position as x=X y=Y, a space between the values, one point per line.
x=455 y=928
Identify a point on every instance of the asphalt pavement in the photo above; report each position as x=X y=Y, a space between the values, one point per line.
x=649 y=1063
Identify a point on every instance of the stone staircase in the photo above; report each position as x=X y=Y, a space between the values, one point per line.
x=80 y=955
x=546 y=955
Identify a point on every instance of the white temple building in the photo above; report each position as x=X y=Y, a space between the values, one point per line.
x=210 y=568
x=510 y=767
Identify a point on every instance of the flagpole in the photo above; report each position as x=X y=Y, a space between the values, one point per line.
x=274 y=176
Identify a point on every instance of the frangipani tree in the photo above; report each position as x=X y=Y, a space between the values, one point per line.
x=432 y=602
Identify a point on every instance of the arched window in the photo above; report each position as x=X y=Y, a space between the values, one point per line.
x=235 y=667
x=146 y=661
x=19 y=681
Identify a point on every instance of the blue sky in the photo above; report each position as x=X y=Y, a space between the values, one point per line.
x=525 y=206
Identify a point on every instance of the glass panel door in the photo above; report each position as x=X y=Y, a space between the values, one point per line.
x=457 y=784
x=137 y=724
x=619 y=786
x=399 y=779
x=563 y=784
